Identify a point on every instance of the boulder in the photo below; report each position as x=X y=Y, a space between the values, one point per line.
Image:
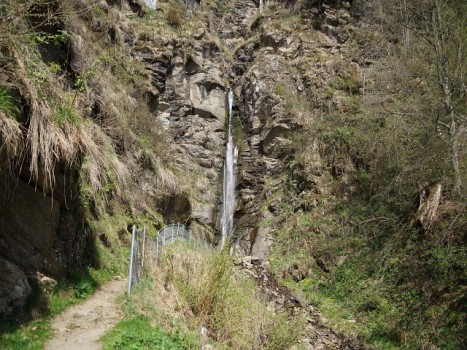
x=14 y=287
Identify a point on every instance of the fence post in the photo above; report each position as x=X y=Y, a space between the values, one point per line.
x=204 y=336
x=131 y=258
x=157 y=248
x=142 y=253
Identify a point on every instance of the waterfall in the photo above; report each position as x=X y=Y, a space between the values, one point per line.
x=228 y=195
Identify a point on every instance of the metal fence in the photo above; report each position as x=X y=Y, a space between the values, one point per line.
x=169 y=234
x=165 y=236
x=138 y=240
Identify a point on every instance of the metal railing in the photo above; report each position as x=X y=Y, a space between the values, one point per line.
x=169 y=234
x=165 y=236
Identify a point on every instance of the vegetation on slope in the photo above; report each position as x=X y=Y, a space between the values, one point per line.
x=370 y=265
x=191 y=287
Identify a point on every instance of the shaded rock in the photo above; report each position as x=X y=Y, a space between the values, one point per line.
x=14 y=287
x=176 y=208
x=29 y=221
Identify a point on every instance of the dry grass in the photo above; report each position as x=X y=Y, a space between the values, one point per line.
x=12 y=142
x=175 y=15
x=47 y=143
x=112 y=80
x=193 y=286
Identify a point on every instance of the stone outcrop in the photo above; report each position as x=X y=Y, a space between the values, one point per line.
x=40 y=232
x=284 y=75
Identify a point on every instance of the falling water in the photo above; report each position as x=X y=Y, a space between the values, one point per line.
x=228 y=196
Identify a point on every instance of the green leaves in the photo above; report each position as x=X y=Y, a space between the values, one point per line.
x=60 y=38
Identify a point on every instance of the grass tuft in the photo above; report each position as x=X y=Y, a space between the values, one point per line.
x=8 y=105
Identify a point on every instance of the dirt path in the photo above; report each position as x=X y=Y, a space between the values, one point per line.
x=81 y=326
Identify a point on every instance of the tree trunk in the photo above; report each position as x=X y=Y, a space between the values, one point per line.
x=454 y=140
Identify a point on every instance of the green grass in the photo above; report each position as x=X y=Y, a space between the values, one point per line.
x=65 y=114
x=138 y=334
x=346 y=83
x=28 y=337
x=386 y=283
x=193 y=287
x=8 y=105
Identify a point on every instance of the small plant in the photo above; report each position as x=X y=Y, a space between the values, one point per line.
x=60 y=38
x=347 y=83
x=83 y=289
x=66 y=115
x=81 y=80
x=279 y=90
x=55 y=68
x=7 y=103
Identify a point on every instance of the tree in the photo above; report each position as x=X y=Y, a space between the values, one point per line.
x=441 y=25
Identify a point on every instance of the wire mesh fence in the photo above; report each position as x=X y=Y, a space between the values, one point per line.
x=138 y=238
x=165 y=236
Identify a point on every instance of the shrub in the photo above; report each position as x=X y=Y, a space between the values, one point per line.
x=174 y=16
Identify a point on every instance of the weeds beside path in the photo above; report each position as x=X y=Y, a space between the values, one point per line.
x=81 y=326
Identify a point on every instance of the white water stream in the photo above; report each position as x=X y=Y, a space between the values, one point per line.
x=228 y=195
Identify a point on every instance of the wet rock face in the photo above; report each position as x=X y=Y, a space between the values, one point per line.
x=277 y=67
